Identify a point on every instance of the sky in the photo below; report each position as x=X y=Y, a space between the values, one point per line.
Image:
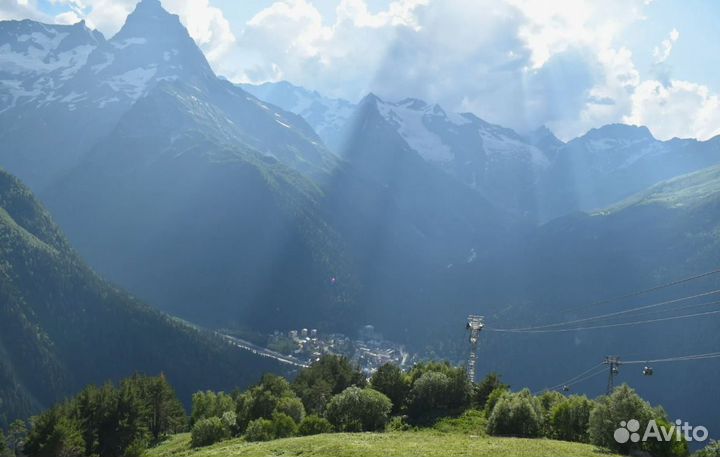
x=570 y=65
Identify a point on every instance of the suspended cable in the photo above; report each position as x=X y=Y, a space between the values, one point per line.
x=623 y=324
x=710 y=355
x=617 y=313
x=574 y=379
x=651 y=289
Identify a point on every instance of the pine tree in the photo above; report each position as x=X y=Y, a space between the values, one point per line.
x=4 y=451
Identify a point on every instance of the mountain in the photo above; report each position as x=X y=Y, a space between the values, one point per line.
x=407 y=223
x=76 y=86
x=62 y=327
x=225 y=234
x=499 y=163
x=327 y=116
x=613 y=162
x=207 y=188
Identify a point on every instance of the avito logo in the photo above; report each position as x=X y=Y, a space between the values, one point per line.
x=628 y=431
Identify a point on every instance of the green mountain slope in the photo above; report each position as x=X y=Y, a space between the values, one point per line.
x=224 y=234
x=61 y=326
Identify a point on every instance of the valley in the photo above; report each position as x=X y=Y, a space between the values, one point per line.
x=157 y=217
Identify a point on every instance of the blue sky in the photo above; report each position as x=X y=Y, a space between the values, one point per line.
x=569 y=64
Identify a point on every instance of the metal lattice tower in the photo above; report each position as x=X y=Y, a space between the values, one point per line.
x=613 y=362
x=474 y=326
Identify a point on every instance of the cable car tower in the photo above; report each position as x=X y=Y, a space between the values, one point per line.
x=613 y=362
x=474 y=325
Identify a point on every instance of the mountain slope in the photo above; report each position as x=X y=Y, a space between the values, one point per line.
x=613 y=162
x=61 y=326
x=406 y=222
x=225 y=235
x=327 y=116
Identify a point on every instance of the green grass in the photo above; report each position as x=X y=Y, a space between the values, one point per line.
x=393 y=444
x=685 y=191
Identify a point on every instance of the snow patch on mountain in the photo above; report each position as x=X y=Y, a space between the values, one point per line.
x=410 y=120
x=133 y=83
x=122 y=44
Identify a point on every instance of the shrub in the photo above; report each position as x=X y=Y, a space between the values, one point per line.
x=661 y=448
x=517 y=414
x=569 y=419
x=260 y=430
x=398 y=424
x=493 y=398
x=622 y=405
x=472 y=422
x=283 y=426
x=314 y=425
x=359 y=410
x=209 y=431
x=711 y=450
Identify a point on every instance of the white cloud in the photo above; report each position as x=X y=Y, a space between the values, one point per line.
x=21 y=9
x=68 y=17
x=206 y=24
x=680 y=109
x=519 y=63
x=662 y=52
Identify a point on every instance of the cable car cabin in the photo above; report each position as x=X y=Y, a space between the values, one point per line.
x=647 y=371
x=566 y=388
x=615 y=370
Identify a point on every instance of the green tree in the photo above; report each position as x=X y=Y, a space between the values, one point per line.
x=293 y=407
x=53 y=434
x=390 y=380
x=676 y=447
x=484 y=388
x=359 y=410
x=437 y=390
x=569 y=419
x=4 y=449
x=547 y=401
x=210 y=404
x=260 y=430
x=328 y=376
x=208 y=431
x=518 y=414
x=164 y=411
x=272 y=394
x=283 y=426
x=314 y=425
x=493 y=398
x=16 y=435
x=609 y=411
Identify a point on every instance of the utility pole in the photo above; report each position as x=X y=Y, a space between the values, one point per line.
x=474 y=326
x=613 y=362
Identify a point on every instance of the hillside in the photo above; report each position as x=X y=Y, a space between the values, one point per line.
x=396 y=444
x=62 y=327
